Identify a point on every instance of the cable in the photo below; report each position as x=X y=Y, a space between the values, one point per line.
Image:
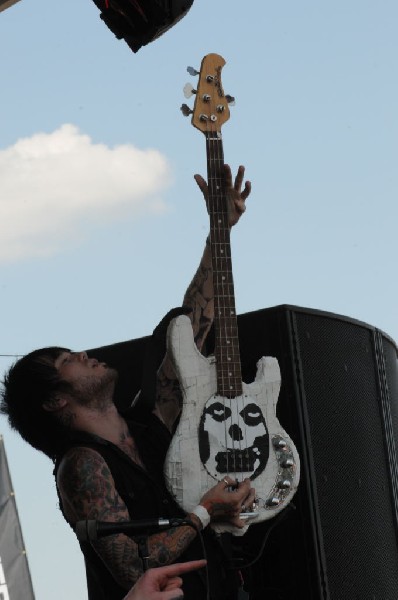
x=276 y=521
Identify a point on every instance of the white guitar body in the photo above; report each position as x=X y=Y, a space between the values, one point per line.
x=216 y=436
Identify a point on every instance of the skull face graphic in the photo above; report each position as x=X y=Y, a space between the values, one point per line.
x=233 y=437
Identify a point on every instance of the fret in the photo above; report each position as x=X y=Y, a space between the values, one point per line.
x=229 y=377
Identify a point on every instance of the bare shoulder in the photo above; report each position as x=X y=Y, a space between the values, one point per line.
x=87 y=488
x=79 y=466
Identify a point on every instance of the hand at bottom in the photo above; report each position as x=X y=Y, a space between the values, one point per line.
x=163 y=583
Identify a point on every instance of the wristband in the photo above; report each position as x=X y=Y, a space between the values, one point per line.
x=202 y=515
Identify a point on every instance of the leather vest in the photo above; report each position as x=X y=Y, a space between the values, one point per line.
x=145 y=494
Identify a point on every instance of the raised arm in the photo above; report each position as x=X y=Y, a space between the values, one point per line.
x=200 y=295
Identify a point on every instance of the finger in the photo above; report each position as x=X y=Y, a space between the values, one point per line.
x=228 y=481
x=239 y=177
x=201 y=183
x=173 y=584
x=245 y=484
x=247 y=190
x=178 y=568
x=227 y=176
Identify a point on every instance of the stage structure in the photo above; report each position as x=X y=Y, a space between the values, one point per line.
x=15 y=580
x=338 y=538
x=7 y=3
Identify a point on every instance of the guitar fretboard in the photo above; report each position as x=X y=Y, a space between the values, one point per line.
x=229 y=376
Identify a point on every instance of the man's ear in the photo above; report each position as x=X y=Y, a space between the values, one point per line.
x=54 y=404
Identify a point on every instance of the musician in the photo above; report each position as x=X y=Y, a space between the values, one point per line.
x=108 y=467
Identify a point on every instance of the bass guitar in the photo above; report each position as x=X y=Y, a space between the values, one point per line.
x=227 y=427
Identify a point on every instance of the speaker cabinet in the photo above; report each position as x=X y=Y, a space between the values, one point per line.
x=339 y=403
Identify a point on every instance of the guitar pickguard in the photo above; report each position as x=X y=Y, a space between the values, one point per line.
x=216 y=436
x=233 y=437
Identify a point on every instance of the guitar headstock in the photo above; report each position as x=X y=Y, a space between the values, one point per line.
x=211 y=109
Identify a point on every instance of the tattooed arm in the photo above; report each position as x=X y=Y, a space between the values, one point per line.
x=200 y=297
x=87 y=490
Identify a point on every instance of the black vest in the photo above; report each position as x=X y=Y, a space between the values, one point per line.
x=145 y=494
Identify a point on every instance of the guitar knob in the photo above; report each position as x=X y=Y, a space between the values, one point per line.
x=284 y=484
x=273 y=501
x=230 y=100
x=192 y=71
x=186 y=111
x=287 y=463
x=279 y=443
x=188 y=90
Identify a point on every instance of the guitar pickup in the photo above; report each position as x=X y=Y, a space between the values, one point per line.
x=236 y=461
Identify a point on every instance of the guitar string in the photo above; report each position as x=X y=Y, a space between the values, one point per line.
x=213 y=236
x=230 y=382
x=229 y=378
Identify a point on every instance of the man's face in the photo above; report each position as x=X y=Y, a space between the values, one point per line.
x=89 y=378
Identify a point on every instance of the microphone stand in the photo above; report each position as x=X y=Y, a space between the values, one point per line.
x=138 y=531
x=143 y=550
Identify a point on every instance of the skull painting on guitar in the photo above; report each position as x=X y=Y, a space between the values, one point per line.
x=233 y=437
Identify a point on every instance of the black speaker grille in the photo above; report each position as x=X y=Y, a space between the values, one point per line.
x=350 y=473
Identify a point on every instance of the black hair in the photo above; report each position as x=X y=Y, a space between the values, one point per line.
x=29 y=383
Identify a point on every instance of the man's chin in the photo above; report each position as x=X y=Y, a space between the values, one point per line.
x=113 y=375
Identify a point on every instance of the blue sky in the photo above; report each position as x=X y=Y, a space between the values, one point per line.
x=101 y=223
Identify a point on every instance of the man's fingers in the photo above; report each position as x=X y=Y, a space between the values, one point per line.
x=173 y=584
x=239 y=177
x=201 y=183
x=178 y=568
x=247 y=190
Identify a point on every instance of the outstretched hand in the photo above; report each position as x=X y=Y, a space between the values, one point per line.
x=236 y=197
x=163 y=583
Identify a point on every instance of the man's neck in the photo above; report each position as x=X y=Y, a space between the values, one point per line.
x=111 y=426
x=107 y=423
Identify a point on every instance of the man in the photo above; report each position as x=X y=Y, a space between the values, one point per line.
x=110 y=468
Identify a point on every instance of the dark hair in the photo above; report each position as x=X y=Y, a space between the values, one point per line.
x=29 y=383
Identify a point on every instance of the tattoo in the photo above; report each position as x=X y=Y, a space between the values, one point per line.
x=127 y=444
x=88 y=492
x=67 y=417
x=200 y=297
x=168 y=394
x=167 y=546
x=168 y=389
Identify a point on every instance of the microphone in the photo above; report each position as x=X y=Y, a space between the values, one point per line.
x=91 y=530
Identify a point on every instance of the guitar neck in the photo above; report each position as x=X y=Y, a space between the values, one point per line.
x=229 y=375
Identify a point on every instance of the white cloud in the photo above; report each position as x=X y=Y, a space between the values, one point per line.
x=55 y=186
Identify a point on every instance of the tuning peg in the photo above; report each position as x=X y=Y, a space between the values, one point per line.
x=186 y=111
x=192 y=71
x=230 y=100
x=188 y=90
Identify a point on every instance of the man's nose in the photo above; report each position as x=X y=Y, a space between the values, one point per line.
x=82 y=355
